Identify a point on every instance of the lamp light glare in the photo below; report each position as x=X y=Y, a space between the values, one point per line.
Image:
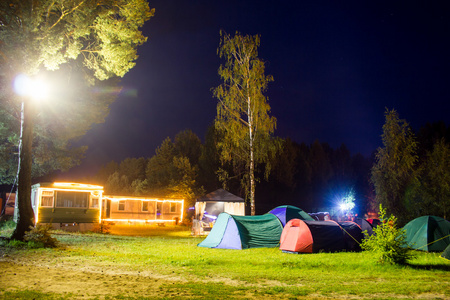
x=37 y=89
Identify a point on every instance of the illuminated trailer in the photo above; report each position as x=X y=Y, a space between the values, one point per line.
x=146 y=210
x=77 y=207
x=67 y=204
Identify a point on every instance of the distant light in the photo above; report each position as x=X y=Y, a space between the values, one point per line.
x=36 y=88
x=347 y=201
x=346 y=206
x=210 y=216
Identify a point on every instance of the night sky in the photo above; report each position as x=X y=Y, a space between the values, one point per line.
x=337 y=65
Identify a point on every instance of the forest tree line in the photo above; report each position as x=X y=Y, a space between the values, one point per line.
x=314 y=177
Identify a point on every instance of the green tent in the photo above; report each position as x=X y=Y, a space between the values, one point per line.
x=428 y=233
x=446 y=253
x=243 y=232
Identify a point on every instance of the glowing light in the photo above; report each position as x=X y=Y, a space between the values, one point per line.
x=346 y=206
x=118 y=198
x=210 y=216
x=138 y=220
x=347 y=202
x=74 y=185
x=36 y=88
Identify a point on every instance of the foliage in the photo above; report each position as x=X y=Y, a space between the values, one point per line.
x=105 y=34
x=36 y=237
x=315 y=176
x=183 y=182
x=168 y=173
x=39 y=237
x=243 y=118
x=17 y=244
x=6 y=228
x=117 y=184
x=102 y=227
x=160 y=168
x=126 y=178
x=291 y=180
x=432 y=193
x=102 y=36
x=411 y=178
x=188 y=144
x=395 y=168
x=388 y=241
x=171 y=173
x=79 y=39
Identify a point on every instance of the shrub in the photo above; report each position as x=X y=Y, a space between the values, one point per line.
x=39 y=237
x=101 y=228
x=388 y=242
x=16 y=244
x=7 y=227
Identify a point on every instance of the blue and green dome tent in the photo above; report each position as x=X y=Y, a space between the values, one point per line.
x=428 y=233
x=288 y=212
x=243 y=232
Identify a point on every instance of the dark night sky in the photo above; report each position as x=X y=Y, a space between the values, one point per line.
x=337 y=65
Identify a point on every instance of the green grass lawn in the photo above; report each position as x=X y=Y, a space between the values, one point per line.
x=169 y=257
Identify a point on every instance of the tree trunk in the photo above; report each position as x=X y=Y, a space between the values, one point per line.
x=25 y=215
x=252 y=184
x=252 y=162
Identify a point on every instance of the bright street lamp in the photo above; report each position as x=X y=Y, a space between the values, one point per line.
x=30 y=90
x=36 y=89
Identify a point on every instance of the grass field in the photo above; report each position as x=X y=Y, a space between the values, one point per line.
x=150 y=262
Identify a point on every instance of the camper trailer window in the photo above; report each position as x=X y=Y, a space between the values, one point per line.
x=72 y=199
x=144 y=205
x=173 y=207
x=122 y=205
x=47 y=198
x=94 y=202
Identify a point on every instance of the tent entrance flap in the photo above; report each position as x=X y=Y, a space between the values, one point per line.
x=214 y=238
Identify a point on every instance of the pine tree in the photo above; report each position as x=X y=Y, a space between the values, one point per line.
x=394 y=169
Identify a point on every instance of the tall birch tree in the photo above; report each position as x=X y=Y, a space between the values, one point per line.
x=243 y=112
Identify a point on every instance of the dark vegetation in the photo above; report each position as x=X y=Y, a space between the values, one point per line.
x=313 y=177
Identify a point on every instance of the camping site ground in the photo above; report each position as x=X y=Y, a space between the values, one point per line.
x=159 y=263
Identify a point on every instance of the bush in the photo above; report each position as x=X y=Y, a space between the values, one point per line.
x=39 y=237
x=7 y=227
x=388 y=242
x=101 y=228
x=16 y=244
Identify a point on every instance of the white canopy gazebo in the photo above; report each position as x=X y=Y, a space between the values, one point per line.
x=214 y=203
x=218 y=202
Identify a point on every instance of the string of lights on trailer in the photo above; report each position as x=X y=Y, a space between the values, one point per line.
x=97 y=192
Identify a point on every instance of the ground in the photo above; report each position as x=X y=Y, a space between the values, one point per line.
x=81 y=282
x=165 y=263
